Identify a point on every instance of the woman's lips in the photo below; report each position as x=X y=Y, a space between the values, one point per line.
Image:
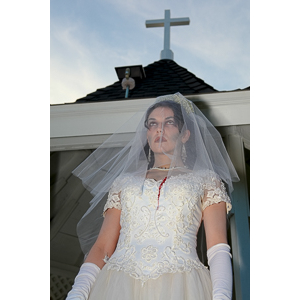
x=158 y=139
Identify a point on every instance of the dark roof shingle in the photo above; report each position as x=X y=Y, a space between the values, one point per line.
x=162 y=77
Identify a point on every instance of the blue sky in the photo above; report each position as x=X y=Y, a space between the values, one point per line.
x=90 y=38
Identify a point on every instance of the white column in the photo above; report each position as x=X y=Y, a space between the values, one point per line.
x=239 y=220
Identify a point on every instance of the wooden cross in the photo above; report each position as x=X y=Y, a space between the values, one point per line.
x=167 y=22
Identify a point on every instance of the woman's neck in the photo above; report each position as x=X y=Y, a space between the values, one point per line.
x=164 y=162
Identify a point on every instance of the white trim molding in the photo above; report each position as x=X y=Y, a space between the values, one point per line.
x=87 y=125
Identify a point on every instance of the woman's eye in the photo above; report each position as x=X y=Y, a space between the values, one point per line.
x=170 y=122
x=151 y=124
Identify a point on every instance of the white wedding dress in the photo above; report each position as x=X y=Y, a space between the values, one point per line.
x=156 y=254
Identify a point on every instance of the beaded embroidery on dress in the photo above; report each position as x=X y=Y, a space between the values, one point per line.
x=155 y=241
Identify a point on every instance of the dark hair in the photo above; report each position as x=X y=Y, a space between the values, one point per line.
x=178 y=117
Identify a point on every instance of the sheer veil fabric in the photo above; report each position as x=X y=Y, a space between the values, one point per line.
x=173 y=128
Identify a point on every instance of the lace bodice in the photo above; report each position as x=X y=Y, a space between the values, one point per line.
x=155 y=240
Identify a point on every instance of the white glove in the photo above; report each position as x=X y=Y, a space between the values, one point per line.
x=83 y=282
x=219 y=261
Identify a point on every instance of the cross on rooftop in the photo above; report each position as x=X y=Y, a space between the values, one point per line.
x=167 y=22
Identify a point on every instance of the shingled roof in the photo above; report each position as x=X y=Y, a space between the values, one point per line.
x=162 y=77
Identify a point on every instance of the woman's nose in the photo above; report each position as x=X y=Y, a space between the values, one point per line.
x=159 y=127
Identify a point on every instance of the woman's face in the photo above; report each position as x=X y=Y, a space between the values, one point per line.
x=163 y=132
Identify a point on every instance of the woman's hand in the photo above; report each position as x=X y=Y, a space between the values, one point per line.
x=104 y=245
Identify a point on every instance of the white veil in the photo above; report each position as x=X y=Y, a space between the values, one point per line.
x=202 y=151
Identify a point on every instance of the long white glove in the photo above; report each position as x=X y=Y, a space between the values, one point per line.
x=219 y=261
x=83 y=282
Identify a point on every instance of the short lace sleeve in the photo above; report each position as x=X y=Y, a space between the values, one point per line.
x=114 y=196
x=214 y=192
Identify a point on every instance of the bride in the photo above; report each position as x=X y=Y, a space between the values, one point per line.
x=172 y=176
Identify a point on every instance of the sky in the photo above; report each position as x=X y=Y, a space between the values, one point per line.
x=88 y=39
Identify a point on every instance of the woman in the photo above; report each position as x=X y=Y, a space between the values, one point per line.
x=162 y=185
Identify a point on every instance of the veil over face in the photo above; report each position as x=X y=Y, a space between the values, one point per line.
x=172 y=132
x=163 y=133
